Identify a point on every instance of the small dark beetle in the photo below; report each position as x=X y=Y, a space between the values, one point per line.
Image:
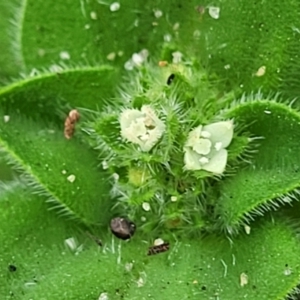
x=170 y=79
x=122 y=228
x=12 y=268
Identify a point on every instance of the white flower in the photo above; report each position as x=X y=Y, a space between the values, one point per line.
x=141 y=127
x=205 y=147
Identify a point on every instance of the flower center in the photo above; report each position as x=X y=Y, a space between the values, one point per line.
x=202 y=146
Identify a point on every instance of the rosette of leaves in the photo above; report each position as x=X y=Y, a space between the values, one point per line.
x=164 y=145
x=232 y=234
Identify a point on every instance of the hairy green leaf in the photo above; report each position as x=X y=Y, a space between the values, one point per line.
x=43 y=94
x=11 y=61
x=274 y=171
x=203 y=268
x=250 y=35
x=62 y=170
x=91 y=32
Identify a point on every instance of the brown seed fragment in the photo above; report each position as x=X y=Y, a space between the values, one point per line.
x=162 y=63
x=70 y=122
x=122 y=228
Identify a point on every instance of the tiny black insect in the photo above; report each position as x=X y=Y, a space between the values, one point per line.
x=12 y=268
x=122 y=228
x=170 y=79
x=158 y=249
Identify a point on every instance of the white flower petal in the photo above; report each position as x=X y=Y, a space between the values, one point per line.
x=191 y=160
x=128 y=115
x=141 y=127
x=205 y=134
x=194 y=136
x=153 y=136
x=138 y=127
x=220 y=132
x=217 y=162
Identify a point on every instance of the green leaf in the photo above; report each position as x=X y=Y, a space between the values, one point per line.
x=43 y=93
x=11 y=61
x=62 y=170
x=246 y=37
x=89 y=31
x=204 y=268
x=274 y=171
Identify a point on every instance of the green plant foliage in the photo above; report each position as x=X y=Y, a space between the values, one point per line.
x=45 y=92
x=265 y=33
x=11 y=60
x=89 y=31
x=153 y=178
x=272 y=179
x=186 y=123
x=43 y=260
x=53 y=167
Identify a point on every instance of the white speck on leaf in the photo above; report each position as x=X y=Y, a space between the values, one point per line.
x=243 y=279
x=129 y=65
x=214 y=12
x=29 y=284
x=158 y=13
x=93 y=15
x=174 y=198
x=146 y=206
x=41 y=52
x=71 y=178
x=137 y=59
x=64 y=55
x=111 y=56
x=247 y=229
x=167 y=38
x=71 y=243
x=64 y=172
x=115 y=176
x=128 y=267
x=158 y=242
x=287 y=271
x=197 y=34
x=114 y=6
x=267 y=112
x=6 y=118
x=261 y=71
x=103 y=296
x=104 y=165
x=176 y=26
x=142 y=280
